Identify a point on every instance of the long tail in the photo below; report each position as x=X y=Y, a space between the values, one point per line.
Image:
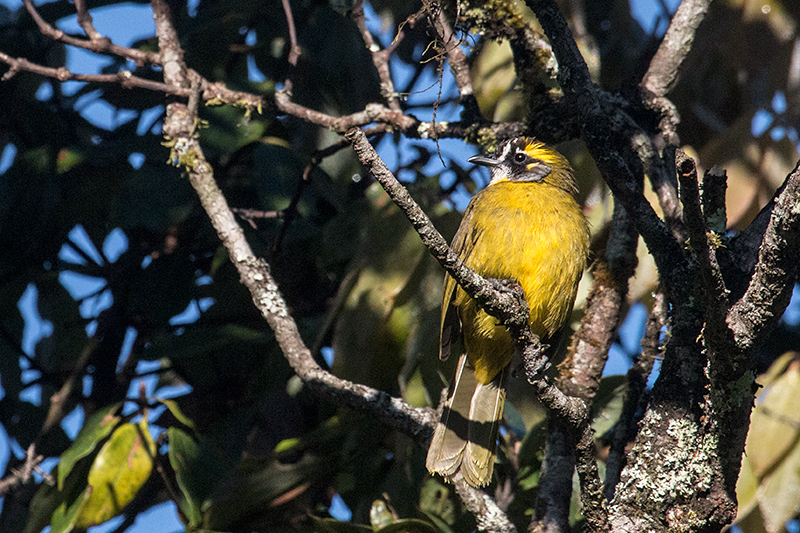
x=464 y=439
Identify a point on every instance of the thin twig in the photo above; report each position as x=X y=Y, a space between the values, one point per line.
x=85 y=21
x=180 y=126
x=294 y=48
x=380 y=58
x=124 y=77
x=251 y=215
x=20 y=476
x=99 y=45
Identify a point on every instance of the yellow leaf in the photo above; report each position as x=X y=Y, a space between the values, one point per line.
x=774 y=423
x=118 y=472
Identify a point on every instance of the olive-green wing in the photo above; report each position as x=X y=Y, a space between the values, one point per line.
x=462 y=245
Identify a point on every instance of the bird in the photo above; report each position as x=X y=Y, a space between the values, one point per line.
x=526 y=226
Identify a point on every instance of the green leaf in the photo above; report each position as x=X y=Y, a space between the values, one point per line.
x=64 y=517
x=44 y=503
x=380 y=515
x=779 y=493
x=331 y=525
x=775 y=422
x=183 y=457
x=175 y=409
x=408 y=525
x=434 y=501
x=57 y=507
x=120 y=469
x=96 y=428
x=746 y=489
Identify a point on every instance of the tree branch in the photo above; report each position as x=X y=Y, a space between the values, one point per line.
x=380 y=58
x=715 y=184
x=598 y=130
x=457 y=60
x=770 y=288
x=180 y=127
x=124 y=77
x=488 y=515
x=664 y=69
x=510 y=307
x=638 y=374
x=97 y=42
x=582 y=368
x=718 y=296
x=20 y=476
x=169 y=46
x=85 y=21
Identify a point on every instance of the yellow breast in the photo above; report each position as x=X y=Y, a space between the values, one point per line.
x=531 y=232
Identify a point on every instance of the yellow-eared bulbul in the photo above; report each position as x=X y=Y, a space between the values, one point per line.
x=524 y=226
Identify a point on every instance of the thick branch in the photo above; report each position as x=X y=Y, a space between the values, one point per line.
x=488 y=516
x=169 y=46
x=554 y=493
x=665 y=66
x=180 y=128
x=255 y=275
x=717 y=304
x=598 y=130
x=770 y=288
x=638 y=374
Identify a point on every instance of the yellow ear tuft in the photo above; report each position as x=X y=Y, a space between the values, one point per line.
x=561 y=174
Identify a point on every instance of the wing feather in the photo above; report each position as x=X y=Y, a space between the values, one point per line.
x=462 y=245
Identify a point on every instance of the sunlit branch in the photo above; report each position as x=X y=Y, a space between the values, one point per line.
x=96 y=43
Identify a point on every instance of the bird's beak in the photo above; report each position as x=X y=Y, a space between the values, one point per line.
x=483 y=161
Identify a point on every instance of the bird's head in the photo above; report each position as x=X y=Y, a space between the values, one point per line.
x=526 y=160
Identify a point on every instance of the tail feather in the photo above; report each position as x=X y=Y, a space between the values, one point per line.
x=486 y=410
x=464 y=439
x=450 y=436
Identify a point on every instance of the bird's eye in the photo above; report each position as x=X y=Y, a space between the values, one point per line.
x=520 y=157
